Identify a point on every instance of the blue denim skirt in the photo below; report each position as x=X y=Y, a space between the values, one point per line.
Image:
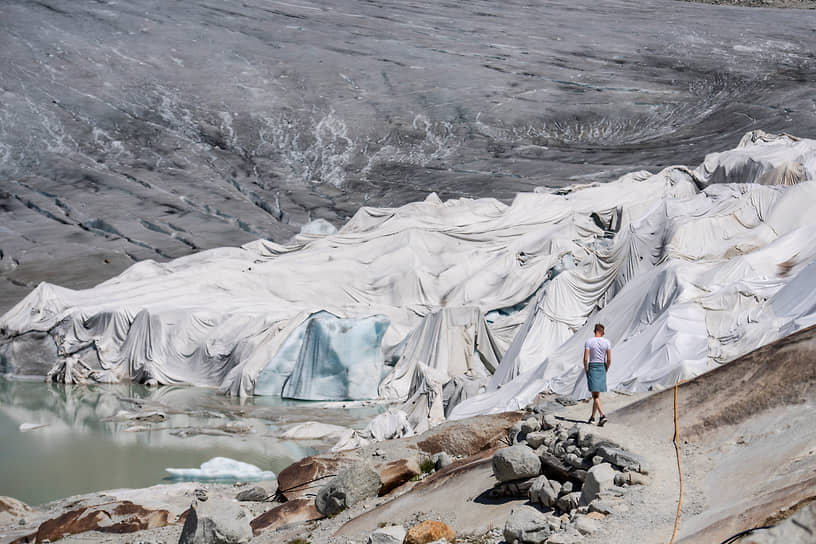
x=596 y=377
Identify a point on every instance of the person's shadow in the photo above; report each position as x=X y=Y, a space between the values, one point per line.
x=562 y=418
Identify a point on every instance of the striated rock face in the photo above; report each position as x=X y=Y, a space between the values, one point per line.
x=293 y=511
x=305 y=477
x=119 y=517
x=12 y=509
x=429 y=531
x=797 y=529
x=396 y=473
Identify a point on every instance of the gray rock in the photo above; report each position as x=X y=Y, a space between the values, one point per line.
x=566 y=488
x=573 y=460
x=603 y=506
x=548 y=422
x=597 y=460
x=569 y=502
x=216 y=522
x=579 y=475
x=622 y=458
x=584 y=438
x=255 y=493
x=441 y=460
x=514 y=488
x=630 y=478
x=586 y=526
x=544 y=491
x=349 y=487
x=598 y=478
x=552 y=467
x=515 y=463
x=392 y=534
x=564 y=538
x=526 y=525
x=538 y=438
x=530 y=425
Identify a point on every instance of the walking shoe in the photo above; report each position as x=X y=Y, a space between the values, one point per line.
x=602 y=421
x=591 y=420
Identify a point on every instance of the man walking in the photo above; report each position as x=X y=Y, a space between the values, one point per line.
x=597 y=358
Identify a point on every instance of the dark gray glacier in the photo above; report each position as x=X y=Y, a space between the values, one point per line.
x=147 y=129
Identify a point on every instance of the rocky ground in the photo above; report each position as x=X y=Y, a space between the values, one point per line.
x=746 y=445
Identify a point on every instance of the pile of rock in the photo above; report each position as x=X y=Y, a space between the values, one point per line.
x=572 y=477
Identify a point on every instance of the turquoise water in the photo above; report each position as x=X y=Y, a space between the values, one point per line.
x=84 y=446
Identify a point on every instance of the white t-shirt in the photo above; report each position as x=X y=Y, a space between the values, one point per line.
x=597 y=347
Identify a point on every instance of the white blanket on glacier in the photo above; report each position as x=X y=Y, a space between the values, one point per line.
x=698 y=274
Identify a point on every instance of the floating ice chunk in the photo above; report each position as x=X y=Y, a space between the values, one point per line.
x=222 y=468
x=25 y=427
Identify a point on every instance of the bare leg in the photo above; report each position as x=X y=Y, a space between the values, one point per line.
x=595 y=404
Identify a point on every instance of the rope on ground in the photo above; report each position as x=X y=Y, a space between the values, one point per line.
x=679 y=471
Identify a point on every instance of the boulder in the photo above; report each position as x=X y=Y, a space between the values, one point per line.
x=569 y=502
x=467 y=437
x=396 y=473
x=441 y=460
x=254 y=494
x=552 y=467
x=526 y=525
x=548 y=422
x=303 y=479
x=429 y=531
x=513 y=488
x=631 y=478
x=565 y=538
x=290 y=512
x=622 y=458
x=515 y=463
x=538 y=438
x=599 y=478
x=392 y=534
x=544 y=491
x=603 y=506
x=216 y=522
x=350 y=486
x=530 y=425
x=586 y=525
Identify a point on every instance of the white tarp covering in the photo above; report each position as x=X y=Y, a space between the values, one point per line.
x=686 y=273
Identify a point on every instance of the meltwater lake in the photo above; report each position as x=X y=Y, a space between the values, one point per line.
x=62 y=440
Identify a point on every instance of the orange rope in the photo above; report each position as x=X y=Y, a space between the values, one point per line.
x=679 y=472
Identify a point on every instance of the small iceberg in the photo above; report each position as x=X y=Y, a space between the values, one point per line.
x=25 y=427
x=222 y=468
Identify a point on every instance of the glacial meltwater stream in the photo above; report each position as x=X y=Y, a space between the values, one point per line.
x=62 y=440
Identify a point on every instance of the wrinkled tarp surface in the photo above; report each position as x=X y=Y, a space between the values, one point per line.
x=688 y=269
